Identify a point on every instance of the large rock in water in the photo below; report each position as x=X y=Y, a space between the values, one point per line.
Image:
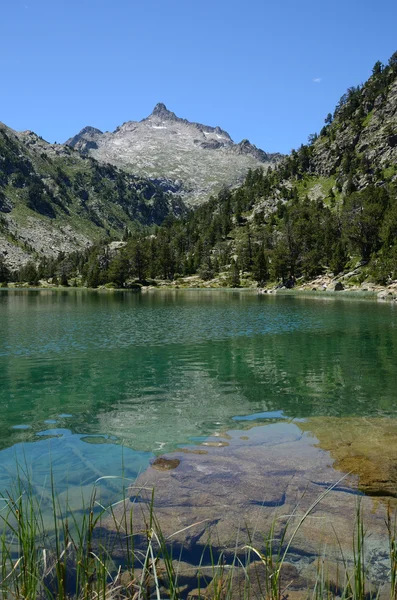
x=230 y=491
x=190 y=159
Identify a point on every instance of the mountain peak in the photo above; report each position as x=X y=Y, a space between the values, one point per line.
x=198 y=159
x=86 y=139
x=160 y=110
x=91 y=130
x=160 y=107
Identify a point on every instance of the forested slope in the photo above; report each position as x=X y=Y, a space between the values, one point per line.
x=52 y=199
x=327 y=207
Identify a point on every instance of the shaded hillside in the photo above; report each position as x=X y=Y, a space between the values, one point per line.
x=53 y=199
x=190 y=159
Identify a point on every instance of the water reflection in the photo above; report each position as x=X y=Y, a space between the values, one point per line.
x=155 y=370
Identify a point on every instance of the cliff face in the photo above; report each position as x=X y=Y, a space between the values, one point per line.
x=190 y=159
x=52 y=199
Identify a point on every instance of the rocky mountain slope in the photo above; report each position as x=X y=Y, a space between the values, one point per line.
x=328 y=211
x=54 y=200
x=363 y=133
x=187 y=158
x=356 y=148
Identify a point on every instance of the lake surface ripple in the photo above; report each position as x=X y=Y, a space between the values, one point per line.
x=99 y=383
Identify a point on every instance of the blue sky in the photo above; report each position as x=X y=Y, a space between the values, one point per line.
x=266 y=71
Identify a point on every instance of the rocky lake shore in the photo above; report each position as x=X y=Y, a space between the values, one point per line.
x=236 y=489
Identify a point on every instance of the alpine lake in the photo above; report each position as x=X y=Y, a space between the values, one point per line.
x=236 y=408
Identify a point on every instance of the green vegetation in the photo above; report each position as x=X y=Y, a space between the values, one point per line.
x=389 y=172
x=324 y=205
x=299 y=237
x=5 y=273
x=327 y=204
x=367 y=119
x=78 y=198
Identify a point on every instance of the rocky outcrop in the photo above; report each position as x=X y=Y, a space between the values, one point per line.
x=197 y=159
x=90 y=135
x=368 y=137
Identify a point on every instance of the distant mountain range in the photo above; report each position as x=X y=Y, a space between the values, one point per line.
x=189 y=159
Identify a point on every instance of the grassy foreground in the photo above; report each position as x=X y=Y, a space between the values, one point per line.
x=75 y=558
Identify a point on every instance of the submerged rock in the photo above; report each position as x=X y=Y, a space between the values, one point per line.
x=253 y=582
x=235 y=494
x=366 y=447
x=165 y=464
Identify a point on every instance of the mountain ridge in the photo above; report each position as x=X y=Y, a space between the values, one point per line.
x=199 y=159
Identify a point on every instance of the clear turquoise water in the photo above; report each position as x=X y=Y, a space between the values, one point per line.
x=97 y=383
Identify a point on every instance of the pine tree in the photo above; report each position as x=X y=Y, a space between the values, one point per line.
x=234 y=274
x=64 y=278
x=260 y=269
x=4 y=271
x=118 y=270
x=139 y=258
x=339 y=258
x=92 y=279
x=29 y=274
x=206 y=271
